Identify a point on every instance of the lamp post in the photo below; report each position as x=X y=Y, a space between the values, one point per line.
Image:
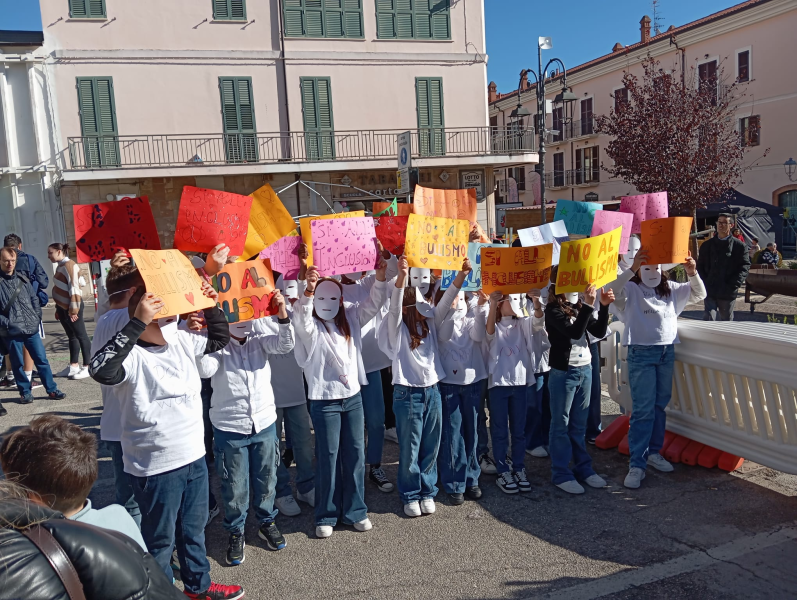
x=566 y=98
x=790 y=166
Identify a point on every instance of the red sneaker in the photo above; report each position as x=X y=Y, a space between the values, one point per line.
x=216 y=591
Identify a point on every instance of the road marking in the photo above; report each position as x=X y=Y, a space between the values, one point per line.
x=688 y=563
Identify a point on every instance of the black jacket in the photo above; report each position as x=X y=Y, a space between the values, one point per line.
x=28 y=265
x=110 y=565
x=25 y=312
x=723 y=266
x=562 y=333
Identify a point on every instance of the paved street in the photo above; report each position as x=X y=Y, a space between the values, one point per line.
x=694 y=533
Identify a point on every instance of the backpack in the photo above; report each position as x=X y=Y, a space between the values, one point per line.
x=42 y=295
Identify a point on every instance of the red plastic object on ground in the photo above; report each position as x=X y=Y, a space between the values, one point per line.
x=669 y=436
x=622 y=447
x=729 y=462
x=709 y=457
x=676 y=448
x=691 y=452
x=613 y=434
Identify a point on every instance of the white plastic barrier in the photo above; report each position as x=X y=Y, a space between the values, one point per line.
x=734 y=387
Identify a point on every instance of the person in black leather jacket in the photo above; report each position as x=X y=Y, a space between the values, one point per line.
x=109 y=565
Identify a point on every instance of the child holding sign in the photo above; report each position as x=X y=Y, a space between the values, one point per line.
x=649 y=305
x=567 y=320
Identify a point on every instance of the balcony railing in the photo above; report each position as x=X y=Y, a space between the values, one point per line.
x=578 y=128
x=582 y=176
x=131 y=151
x=555 y=179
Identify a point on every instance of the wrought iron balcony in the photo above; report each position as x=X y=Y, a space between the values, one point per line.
x=578 y=128
x=168 y=150
x=555 y=179
x=584 y=177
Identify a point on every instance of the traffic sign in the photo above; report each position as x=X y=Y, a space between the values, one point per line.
x=404 y=143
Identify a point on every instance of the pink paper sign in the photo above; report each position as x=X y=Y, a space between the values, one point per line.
x=645 y=207
x=342 y=246
x=608 y=220
x=284 y=256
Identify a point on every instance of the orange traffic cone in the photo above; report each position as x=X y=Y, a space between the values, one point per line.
x=613 y=434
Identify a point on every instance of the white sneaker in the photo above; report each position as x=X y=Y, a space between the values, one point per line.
x=487 y=465
x=323 y=531
x=427 y=506
x=67 y=371
x=658 y=462
x=413 y=509
x=538 y=452
x=364 y=525
x=595 y=481
x=287 y=506
x=571 y=487
x=82 y=373
x=308 y=498
x=391 y=435
x=634 y=478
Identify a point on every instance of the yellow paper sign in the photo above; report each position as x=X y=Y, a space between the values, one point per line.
x=436 y=243
x=588 y=261
x=307 y=236
x=245 y=290
x=449 y=204
x=269 y=220
x=170 y=275
x=666 y=240
x=516 y=270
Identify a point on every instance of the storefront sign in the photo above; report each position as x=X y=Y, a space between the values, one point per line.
x=473 y=179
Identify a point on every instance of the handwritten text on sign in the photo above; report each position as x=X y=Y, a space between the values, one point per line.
x=578 y=216
x=589 y=261
x=449 y=204
x=170 y=275
x=392 y=232
x=245 y=290
x=516 y=270
x=644 y=207
x=284 y=256
x=210 y=217
x=343 y=246
x=307 y=232
x=473 y=281
x=666 y=240
x=436 y=243
x=269 y=220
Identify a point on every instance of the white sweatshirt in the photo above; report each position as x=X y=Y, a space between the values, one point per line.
x=461 y=335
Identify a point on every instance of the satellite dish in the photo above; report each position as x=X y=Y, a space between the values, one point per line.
x=545 y=43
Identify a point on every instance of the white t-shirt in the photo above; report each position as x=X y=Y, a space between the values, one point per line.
x=651 y=320
x=510 y=360
x=580 y=354
x=373 y=358
x=111 y=420
x=461 y=354
x=287 y=379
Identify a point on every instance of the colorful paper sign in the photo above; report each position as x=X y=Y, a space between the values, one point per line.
x=578 y=216
x=516 y=270
x=392 y=232
x=588 y=261
x=246 y=290
x=644 y=207
x=269 y=221
x=284 y=256
x=402 y=208
x=666 y=240
x=104 y=228
x=210 y=217
x=342 y=246
x=448 y=204
x=551 y=233
x=609 y=220
x=307 y=234
x=391 y=209
x=436 y=243
x=170 y=275
x=473 y=281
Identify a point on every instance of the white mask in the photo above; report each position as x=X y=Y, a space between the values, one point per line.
x=650 y=275
x=627 y=259
x=421 y=304
x=168 y=327
x=327 y=300
x=421 y=279
x=515 y=301
x=289 y=288
x=572 y=297
x=241 y=330
x=460 y=304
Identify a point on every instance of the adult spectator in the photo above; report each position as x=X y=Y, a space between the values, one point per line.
x=770 y=255
x=723 y=265
x=754 y=247
x=20 y=314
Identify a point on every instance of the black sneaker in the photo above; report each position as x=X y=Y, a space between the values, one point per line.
x=26 y=399
x=456 y=499
x=474 y=493
x=6 y=382
x=56 y=395
x=522 y=481
x=507 y=483
x=235 y=549
x=377 y=475
x=271 y=535
x=287 y=457
x=3 y=411
x=591 y=441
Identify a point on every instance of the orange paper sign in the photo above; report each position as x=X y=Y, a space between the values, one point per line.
x=448 y=204
x=516 y=270
x=404 y=209
x=307 y=236
x=666 y=240
x=245 y=290
x=269 y=221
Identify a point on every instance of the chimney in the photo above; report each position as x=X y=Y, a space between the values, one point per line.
x=492 y=92
x=524 y=81
x=618 y=47
x=644 y=29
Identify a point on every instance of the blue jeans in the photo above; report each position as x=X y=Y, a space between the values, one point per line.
x=340 y=460
x=482 y=444
x=458 y=461
x=33 y=343
x=650 y=378
x=594 y=415
x=538 y=417
x=374 y=409
x=242 y=460
x=174 y=511
x=418 y=427
x=508 y=416
x=124 y=491
x=569 y=407
x=297 y=427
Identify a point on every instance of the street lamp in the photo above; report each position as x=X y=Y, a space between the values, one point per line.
x=566 y=98
x=790 y=166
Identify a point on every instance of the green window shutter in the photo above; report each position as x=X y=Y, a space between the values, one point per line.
x=431 y=120
x=385 y=19
x=440 y=24
x=238 y=119
x=238 y=10
x=221 y=10
x=293 y=14
x=229 y=10
x=353 y=18
x=323 y=18
x=318 y=122
x=86 y=9
x=98 y=121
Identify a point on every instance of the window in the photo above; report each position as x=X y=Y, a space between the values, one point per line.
x=743 y=66
x=413 y=19
x=319 y=137
x=519 y=175
x=238 y=116
x=750 y=130
x=87 y=9
x=558 y=124
x=494 y=121
x=559 y=169
x=431 y=120
x=707 y=79
x=229 y=10
x=586 y=117
x=323 y=18
x=587 y=165
x=620 y=98
x=98 y=121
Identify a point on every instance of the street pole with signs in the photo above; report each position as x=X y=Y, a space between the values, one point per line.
x=404 y=162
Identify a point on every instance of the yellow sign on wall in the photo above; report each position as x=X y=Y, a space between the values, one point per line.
x=588 y=261
x=436 y=243
x=307 y=236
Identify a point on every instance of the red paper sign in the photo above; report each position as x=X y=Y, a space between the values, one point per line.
x=102 y=229
x=392 y=232
x=210 y=217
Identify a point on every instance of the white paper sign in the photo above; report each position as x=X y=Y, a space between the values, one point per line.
x=551 y=233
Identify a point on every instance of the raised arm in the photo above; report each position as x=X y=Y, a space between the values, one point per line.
x=370 y=307
x=495 y=300
x=218 y=328
x=443 y=308
x=282 y=342
x=303 y=310
x=478 y=333
x=697 y=289
x=557 y=320
x=388 y=337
